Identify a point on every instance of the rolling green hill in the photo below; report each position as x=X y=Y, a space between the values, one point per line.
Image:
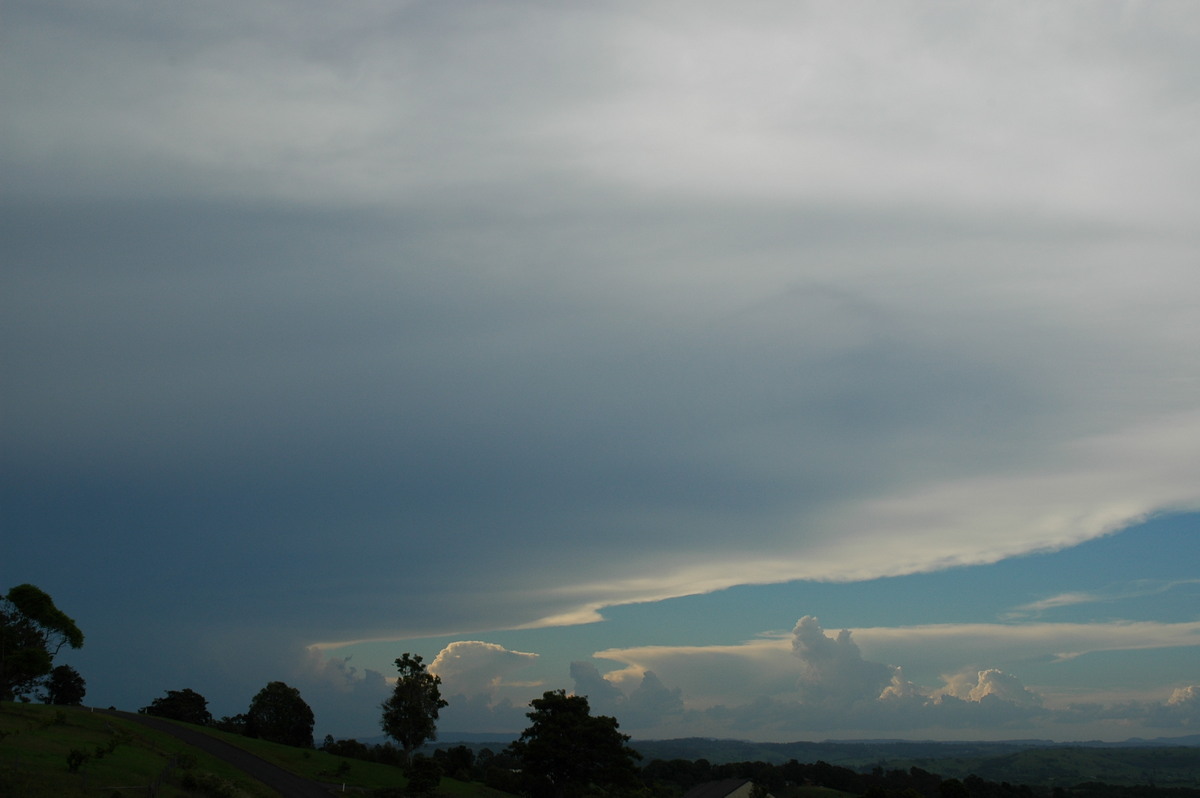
x=63 y=752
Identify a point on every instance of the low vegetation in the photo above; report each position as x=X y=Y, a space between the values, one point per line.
x=62 y=752
x=330 y=768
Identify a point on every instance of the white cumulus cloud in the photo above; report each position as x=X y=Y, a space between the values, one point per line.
x=472 y=667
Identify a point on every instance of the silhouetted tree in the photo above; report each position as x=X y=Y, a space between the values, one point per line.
x=351 y=749
x=424 y=776
x=410 y=714
x=186 y=705
x=952 y=788
x=278 y=713
x=65 y=687
x=457 y=761
x=566 y=750
x=234 y=724
x=32 y=630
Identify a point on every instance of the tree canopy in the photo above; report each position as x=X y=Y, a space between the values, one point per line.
x=65 y=687
x=32 y=631
x=278 y=713
x=184 y=705
x=410 y=714
x=568 y=751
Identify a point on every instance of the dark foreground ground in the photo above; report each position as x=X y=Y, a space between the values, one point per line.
x=278 y=779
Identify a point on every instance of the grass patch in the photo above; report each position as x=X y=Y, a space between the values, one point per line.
x=71 y=752
x=63 y=752
x=327 y=768
x=317 y=765
x=817 y=792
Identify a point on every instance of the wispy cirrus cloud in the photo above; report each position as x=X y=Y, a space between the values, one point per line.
x=1127 y=590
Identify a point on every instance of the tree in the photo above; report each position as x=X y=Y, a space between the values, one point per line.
x=424 y=776
x=566 y=750
x=65 y=687
x=410 y=714
x=32 y=631
x=457 y=761
x=185 y=705
x=278 y=713
x=234 y=724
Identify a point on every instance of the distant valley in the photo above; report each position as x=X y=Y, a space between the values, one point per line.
x=1164 y=762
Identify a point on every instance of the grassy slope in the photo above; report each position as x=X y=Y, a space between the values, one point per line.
x=37 y=740
x=323 y=767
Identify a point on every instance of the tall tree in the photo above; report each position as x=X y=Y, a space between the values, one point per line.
x=185 y=705
x=567 y=751
x=32 y=631
x=410 y=714
x=65 y=687
x=278 y=713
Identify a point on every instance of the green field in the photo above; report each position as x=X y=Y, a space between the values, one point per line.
x=327 y=768
x=121 y=757
x=124 y=757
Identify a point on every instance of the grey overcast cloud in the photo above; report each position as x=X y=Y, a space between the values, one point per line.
x=635 y=348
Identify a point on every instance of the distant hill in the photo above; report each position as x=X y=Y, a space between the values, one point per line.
x=501 y=739
x=1157 y=742
x=845 y=753
x=853 y=754
x=1172 y=763
x=1167 y=762
x=1176 y=766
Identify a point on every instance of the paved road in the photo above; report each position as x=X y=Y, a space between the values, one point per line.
x=284 y=782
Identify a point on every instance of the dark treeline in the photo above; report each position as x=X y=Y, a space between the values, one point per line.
x=674 y=777
x=385 y=753
x=496 y=769
x=677 y=776
x=1095 y=789
x=671 y=778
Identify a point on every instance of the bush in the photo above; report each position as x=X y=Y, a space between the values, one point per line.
x=75 y=760
x=208 y=784
x=424 y=776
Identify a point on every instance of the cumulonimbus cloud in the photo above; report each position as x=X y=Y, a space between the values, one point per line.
x=814 y=680
x=473 y=667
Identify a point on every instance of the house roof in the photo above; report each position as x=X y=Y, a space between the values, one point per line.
x=715 y=789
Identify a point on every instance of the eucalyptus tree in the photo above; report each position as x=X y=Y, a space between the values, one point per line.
x=410 y=714
x=32 y=632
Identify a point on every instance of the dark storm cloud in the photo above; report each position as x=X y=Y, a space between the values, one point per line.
x=390 y=320
x=301 y=371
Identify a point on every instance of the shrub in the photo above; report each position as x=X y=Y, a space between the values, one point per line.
x=75 y=760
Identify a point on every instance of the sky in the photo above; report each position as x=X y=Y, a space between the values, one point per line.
x=793 y=370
